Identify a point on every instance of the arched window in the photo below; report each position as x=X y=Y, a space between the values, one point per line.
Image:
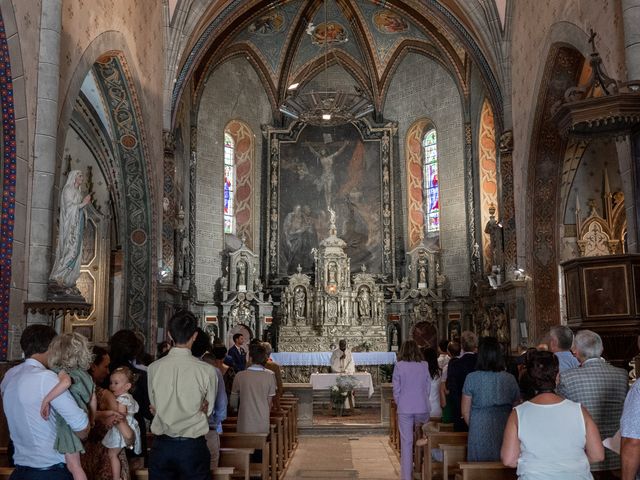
x=229 y=184
x=431 y=191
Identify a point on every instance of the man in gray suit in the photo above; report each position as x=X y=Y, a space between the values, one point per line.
x=600 y=387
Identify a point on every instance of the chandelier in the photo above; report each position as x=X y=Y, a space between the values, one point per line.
x=328 y=107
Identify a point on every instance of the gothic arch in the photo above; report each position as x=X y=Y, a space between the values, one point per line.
x=106 y=55
x=562 y=70
x=244 y=157
x=9 y=180
x=415 y=177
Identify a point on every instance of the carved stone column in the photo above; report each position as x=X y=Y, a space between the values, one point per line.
x=507 y=206
x=191 y=254
x=169 y=207
x=469 y=192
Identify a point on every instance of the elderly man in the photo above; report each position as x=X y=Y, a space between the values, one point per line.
x=342 y=359
x=23 y=389
x=560 y=342
x=599 y=387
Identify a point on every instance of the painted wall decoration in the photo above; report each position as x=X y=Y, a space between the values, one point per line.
x=389 y=22
x=487 y=172
x=346 y=169
x=243 y=158
x=415 y=179
x=8 y=187
x=272 y=22
x=115 y=83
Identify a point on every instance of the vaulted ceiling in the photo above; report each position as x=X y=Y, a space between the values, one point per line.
x=284 y=40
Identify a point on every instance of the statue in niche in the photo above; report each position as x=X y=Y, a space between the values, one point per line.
x=299 y=298
x=242 y=274
x=326 y=180
x=257 y=284
x=422 y=270
x=66 y=269
x=333 y=269
x=494 y=230
x=364 y=303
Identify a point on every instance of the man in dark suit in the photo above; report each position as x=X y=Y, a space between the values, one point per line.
x=238 y=353
x=458 y=370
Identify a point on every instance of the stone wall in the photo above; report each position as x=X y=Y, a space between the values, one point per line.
x=536 y=26
x=422 y=88
x=233 y=91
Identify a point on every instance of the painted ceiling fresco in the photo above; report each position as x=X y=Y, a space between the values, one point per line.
x=384 y=29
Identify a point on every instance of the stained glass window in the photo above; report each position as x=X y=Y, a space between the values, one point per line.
x=430 y=187
x=229 y=184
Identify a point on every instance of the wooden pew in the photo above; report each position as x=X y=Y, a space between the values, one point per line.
x=394 y=433
x=274 y=439
x=433 y=440
x=485 y=471
x=453 y=455
x=237 y=458
x=5 y=472
x=256 y=441
x=220 y=473
x=291 y=404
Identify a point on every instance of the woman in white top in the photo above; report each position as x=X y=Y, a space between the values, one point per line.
x=549 y=437
x=435 y=374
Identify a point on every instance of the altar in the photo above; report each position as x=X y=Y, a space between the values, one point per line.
x=324 y=381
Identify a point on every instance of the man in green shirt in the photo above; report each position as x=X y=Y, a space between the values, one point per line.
x=182 y=390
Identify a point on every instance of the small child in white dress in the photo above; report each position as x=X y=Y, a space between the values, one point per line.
x=122 y=380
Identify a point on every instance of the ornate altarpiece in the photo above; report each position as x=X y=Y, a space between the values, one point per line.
x=336 y=306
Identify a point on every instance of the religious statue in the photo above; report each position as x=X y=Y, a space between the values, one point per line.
x=242 y=274
x=422 y=271
x=325 y=182
x=66 y=269
x=257 y=285
x=364 y=303
x=332 y=273
x=299 y=298
x=494 y=230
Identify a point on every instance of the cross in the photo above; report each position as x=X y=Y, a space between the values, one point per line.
x=592 y=39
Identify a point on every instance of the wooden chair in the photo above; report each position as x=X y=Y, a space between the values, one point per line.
x=5 y=472
x=452 y=456
x=432 y=440
x=256 y=441
x=238 y=458
x=485 y=471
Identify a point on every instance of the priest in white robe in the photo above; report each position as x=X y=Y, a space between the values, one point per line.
x=342 y=359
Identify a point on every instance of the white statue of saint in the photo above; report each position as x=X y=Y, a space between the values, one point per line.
x=66 y=269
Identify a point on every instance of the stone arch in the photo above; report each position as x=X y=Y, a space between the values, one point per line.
x=10 y=164
x=562 y=70
x=107 y=56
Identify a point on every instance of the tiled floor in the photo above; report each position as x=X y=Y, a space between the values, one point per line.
x=343 y=457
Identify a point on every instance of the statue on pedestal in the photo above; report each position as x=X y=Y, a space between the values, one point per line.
x=299 y=300
x=494 y=230
x=66 y=269
x=364 y=303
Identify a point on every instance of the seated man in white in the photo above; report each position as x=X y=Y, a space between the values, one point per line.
x=342 y=359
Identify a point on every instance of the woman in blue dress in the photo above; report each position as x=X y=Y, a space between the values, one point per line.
x=488 y=396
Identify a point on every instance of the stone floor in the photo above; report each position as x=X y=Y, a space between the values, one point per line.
x=343 y=457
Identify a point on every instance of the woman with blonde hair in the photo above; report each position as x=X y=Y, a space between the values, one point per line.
x=411 y=389
x=70 y=357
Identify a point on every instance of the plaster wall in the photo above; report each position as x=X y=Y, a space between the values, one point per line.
x=422 y=88
x=537 y=25
x=233 y=91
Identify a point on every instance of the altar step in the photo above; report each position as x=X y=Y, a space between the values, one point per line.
x=351 y=430
x=322 y=398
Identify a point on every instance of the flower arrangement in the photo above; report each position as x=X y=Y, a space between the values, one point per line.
x=343 y=389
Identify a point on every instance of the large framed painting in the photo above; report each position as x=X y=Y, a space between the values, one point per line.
x=313 y=169
x=606 y=290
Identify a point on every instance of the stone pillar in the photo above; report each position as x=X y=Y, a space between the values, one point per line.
x=507 y=206
x=627 y=174
x=631 y=19
x=169 y=207
x=191 y=274
x=470 y=196
x=44 y=162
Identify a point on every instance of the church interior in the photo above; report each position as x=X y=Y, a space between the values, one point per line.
x=307 y=171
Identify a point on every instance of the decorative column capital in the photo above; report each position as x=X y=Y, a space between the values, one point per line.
x=506 y=142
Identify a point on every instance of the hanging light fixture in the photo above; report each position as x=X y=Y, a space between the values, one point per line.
x=328 y=107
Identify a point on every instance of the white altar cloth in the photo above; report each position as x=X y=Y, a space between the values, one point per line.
x=324 y=381
x=323 y=359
